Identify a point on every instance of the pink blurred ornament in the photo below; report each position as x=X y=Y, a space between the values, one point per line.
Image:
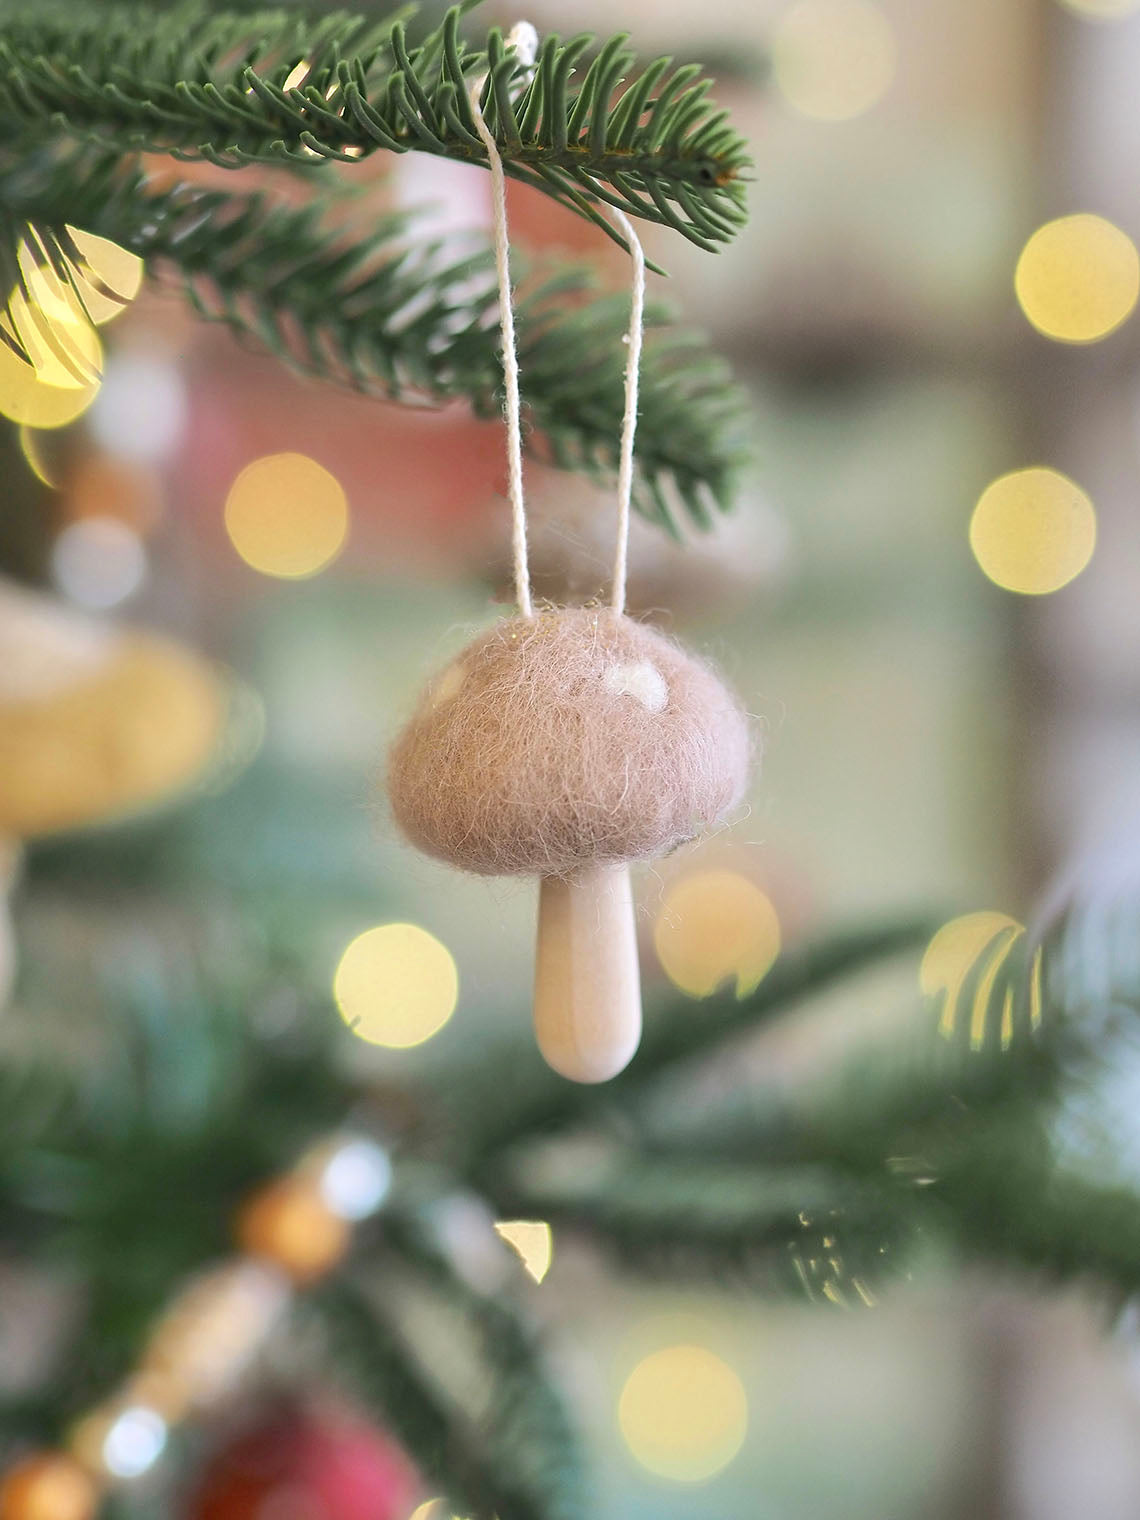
x=299 y=1465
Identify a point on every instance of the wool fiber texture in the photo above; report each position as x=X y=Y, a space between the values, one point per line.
x=574 y=737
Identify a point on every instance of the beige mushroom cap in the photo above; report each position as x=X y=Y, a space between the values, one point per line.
x=572 y=738
x=94 y=722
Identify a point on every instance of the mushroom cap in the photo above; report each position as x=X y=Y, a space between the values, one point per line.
x=574 y=737
x=94 y=722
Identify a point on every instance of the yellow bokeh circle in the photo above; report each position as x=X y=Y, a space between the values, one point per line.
x=396 y=985
x=962 y=965
x=714 y=925
x=532 y=1240
x=954 y=950
x=1078 y=278
x=833 y=60
x=1032 y=531
x=63 y=377
x=683 y=1413
x=118 y=275
x=287 y=516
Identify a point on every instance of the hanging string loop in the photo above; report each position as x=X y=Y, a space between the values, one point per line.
x=634 y=338
x=524 y=40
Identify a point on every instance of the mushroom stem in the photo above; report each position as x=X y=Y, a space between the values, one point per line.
x=587 y=986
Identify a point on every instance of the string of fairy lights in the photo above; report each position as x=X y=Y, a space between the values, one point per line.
x=289 y=1233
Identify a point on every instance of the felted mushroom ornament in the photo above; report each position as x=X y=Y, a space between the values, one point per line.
x=95 y=723
x=565 y=745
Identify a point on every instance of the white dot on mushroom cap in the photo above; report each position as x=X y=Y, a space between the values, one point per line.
x=641 y=680
x=447 y=686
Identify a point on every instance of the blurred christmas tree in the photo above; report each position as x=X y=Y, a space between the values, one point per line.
x=234 y=1221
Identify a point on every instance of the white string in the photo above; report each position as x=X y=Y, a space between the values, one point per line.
x=510 y=359
x=629 y=417
x=525 y=40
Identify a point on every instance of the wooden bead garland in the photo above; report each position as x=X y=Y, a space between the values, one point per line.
x=48 y=1485
x=200 y=1347
x=289 y=1224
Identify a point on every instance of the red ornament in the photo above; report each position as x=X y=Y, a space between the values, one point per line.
x=295 y=1465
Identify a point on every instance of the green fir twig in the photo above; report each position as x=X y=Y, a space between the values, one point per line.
x=387 y=311
x=515 y=1455
x=273 y=87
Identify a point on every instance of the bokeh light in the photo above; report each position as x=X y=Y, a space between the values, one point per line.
x=430 y=1509
x=714 y=925
x=48 y=1486
x=42 y=302
x=396 y=985
x=31 y=446
x=134 y=1442
x=289 y=1224
x=51 y=390
x=140 y=413
x=1078 y=278
x=833 y=60
x=57 y=339
x=297 y=74
x=98 y=562
x=683 y=1413
x=118 y=275
x=954 y=957
x=532 y=1240
x=287 y=516
x=49 y=315
x=123 y=1439
x=1033 y=531
x=356 y=1178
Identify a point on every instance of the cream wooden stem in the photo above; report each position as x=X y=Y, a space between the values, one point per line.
x=587 y=986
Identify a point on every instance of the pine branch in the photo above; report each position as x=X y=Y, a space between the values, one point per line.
x=511 y=1097
x=271 y=87
x=514 y=1459
x=794 y=1230
x=525 y=1430
x=410 y=319
x=368 y=1353
x=1007 y=1205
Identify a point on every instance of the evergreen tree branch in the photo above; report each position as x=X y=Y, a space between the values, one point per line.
x=366 y=1351
x=833 y=1195
x=271 y=87
x=512 y=1097
x=411 y=319
x=1005 y=1203
x=525 y=1429
x=516 y=1458
x=790 y=1230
